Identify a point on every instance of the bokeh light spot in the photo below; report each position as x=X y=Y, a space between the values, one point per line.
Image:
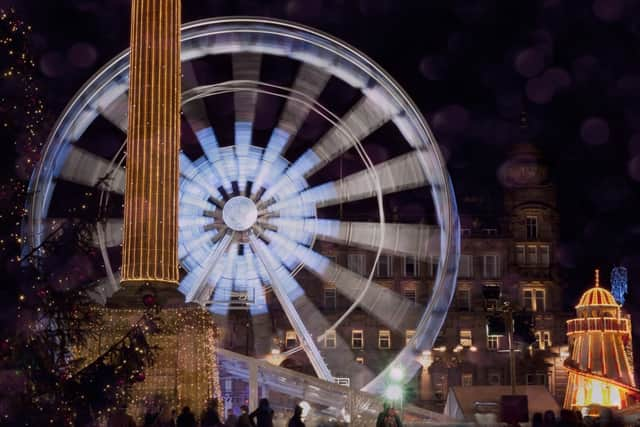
x=594 y=131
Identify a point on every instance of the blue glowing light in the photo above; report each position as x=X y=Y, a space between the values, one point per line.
x=619 y=284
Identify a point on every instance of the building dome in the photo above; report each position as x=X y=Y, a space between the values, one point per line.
x=597 y=296
x=524 y=167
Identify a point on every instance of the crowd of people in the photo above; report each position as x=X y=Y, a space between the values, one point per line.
x=605 y=418
x=261 y=417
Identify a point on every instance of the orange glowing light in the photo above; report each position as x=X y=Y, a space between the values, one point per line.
x=150 y=242
x=598 y=365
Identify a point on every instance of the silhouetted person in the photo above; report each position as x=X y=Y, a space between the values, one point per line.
x=549 y=419
x=388 y=417
x=243 y=419
x=537 y=420
x=167 y=417
x=567 y=418
x=186 y=418
x=210 y=417
x=263 y=415
x=231 y=419
x=296 y=420
x=150 y=419
x=120 y=418
x=609 y=419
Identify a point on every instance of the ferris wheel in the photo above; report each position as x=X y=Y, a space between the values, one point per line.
x=294 y=145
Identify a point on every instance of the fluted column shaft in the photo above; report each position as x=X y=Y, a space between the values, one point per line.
x=150 y=241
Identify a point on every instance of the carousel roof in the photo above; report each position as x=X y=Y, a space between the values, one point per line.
x=597 y=296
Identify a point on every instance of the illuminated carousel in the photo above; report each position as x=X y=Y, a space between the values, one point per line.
x=291 y=140
x=600 y=364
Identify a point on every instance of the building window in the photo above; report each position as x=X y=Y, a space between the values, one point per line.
x=493 y=342
x=533 y=299
x=544 y=255
x=330 y=339
x=532 y=254
x=537 y=378
x=466 y=266
x=330 y=297
x=360 y=360
x=409 y=291
x=290 y=339
x=520 y=260
x=408 y=335
x=494 y=378
x=490 y=231
x=540 y=300
x=527 y=300
x=433 y=265
x=491 y=265
x=543 y=339
x=463 y=299
x=384 y=268
x=355 y=263
x=357 y=339
x=410 y=266
x=532 y=227
x=465 y=338
x=467 y=380
x=384 y=339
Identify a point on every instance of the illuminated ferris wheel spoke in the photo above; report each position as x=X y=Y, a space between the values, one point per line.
x=91 y=170
x=246 y=68
x=400 y=173
x=281 y=281
x=319 y=325
x=195 y=112
x=197 y=199
x=110 y=231
x=385 y=305
x=103 y=288
x=262 y=333
x=114 y=105
x=261 y=321
x=200 y=278
x=310 y=81
x=117 y=112
x=364 y=118
x=416 y=240
x=208 y=173
x=257 y=278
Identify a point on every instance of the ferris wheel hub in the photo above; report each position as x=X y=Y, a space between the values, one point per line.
x=239 y=213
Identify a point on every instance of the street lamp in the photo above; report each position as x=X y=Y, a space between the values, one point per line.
x=276 y=357
x=394 y=391
x=396 y=374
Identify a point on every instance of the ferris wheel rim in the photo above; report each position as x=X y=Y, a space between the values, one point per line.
x=446 y=213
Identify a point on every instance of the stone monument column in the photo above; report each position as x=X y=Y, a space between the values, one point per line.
x=150 y=243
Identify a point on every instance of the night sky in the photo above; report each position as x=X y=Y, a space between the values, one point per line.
x=471 y=66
